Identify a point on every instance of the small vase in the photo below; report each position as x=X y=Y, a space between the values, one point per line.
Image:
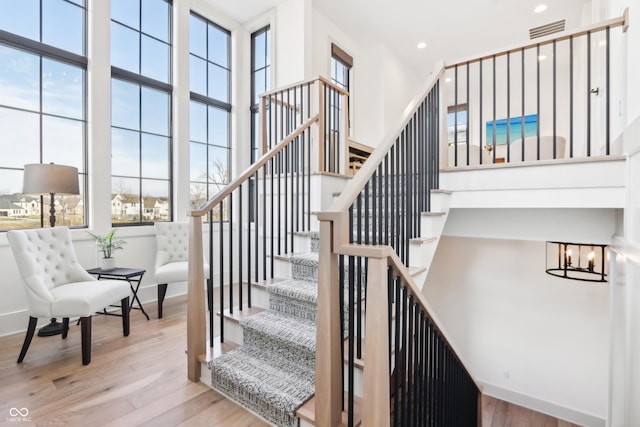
x=107 y=263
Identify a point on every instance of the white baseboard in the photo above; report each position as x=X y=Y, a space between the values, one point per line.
x=549 y=408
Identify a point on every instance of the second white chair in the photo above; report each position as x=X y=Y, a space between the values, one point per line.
x=172 y=257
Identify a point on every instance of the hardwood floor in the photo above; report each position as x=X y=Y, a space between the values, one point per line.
x=141 y=380
x=138 y=380
x=497 y=413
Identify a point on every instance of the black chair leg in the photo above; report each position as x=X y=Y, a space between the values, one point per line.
x=162 y=290
x=65 y=327
x=27 y=339
x=85 y=327
x=125 y=316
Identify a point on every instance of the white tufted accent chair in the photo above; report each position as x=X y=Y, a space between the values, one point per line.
x=56 y=285
x=172 y=257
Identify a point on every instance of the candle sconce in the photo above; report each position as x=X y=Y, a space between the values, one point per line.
x=577 y=261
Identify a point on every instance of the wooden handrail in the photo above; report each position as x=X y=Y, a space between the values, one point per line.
x=322 y=79
x=621 y=21
x=213 y=201
x=400 y=270
x=349 y=194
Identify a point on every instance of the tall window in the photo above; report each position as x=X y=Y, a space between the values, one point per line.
x=140 y=111
x=341 y=63
x=210 y=77
x=260 y=81
x=42 y=105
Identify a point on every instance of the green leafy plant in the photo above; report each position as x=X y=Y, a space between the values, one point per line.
x=107 y=244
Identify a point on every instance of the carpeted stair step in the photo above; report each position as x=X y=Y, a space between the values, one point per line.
x=296 y=298
x=291 y=333
x=266 y=383
x=304 y=266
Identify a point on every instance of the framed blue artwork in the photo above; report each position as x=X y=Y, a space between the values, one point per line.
x=515 y=129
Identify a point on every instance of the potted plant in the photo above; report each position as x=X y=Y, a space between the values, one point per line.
x=107 y=244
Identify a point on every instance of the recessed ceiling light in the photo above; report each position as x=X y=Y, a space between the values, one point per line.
x=542 y=57
x=540 y=8
x=448 y=79
x=421 y=45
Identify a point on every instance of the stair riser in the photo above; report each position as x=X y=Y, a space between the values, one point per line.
x=233 y=332
x=295 y=308
x=432 y=226
x=440 y=202
x=420 y=253
x=301 y=356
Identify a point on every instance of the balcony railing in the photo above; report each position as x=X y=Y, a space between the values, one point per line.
x=550 y=99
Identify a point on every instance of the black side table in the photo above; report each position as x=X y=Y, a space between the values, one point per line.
x=131 y=275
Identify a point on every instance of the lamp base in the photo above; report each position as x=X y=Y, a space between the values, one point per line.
x=53 y=328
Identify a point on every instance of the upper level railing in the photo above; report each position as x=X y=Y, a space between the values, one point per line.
x=550 y=99
x=412 y=373
x=254 y=218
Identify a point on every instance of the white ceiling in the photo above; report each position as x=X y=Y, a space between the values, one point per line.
x=452 y=29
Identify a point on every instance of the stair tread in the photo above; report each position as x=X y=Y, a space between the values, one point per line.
x=217 y=350
x=292 y=331
x=263 y=284
x=249 y=375
x=424 y=239
x=302 y=290
x=433 y=213
x=307 y=411
x=239 y=315
x=441 y=191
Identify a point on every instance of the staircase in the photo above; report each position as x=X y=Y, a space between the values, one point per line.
x=376 y=240
x=273 y=372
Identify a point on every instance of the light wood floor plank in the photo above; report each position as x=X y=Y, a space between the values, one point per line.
x=142 y=380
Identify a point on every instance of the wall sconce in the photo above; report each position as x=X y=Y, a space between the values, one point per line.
x=577 y=261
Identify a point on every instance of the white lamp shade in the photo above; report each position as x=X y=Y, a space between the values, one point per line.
x=47 y=178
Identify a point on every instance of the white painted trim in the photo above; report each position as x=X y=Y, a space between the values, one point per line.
x=543 y=406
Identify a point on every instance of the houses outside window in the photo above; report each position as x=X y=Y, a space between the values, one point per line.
x=210 y=110
x=141 y=111
x=42 y=106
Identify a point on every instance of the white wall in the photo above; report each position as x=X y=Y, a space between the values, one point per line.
x=381 y=85
x=529 y=337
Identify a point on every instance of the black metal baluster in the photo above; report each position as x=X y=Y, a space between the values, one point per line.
x=493 y=151
x=571 y=96
x=588 y=93
x=538 y=100
x=230 y=234
x=608 y=95
x=221 y=259
x=455 y=119
x=409 y=331
x=508 y=107
x=522 y=110
x=555 y=148
x=241 y=225
x=264 y=221
x=351 y=374
x=398 y=352
x=480 y=110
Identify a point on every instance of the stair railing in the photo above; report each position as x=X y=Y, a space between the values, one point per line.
x=364 y=247
x=254 y=218
x=536 y=101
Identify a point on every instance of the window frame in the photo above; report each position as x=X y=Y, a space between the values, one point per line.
x=46 y=51
x=210 y=102
x=143 y=81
